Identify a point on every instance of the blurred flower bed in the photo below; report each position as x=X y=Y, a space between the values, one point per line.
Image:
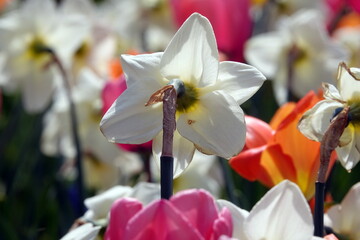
x=64 y=64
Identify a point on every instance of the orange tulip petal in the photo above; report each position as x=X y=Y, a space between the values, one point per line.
x=247 y=165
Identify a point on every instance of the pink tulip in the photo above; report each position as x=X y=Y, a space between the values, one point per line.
x=110 y=93
x=229 y=18
x=190 y=214
x=336 y=5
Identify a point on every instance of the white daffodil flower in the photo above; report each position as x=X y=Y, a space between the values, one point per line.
x=84 y=232
x=298 y=56
x=208 y=114
x=26 y=36
x=99 y=45
x=315 y=121
x=104 y=163
x=282 y=214
x=350 y=38
x=344 y=218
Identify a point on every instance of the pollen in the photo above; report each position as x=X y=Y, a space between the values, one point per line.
x=187 y=101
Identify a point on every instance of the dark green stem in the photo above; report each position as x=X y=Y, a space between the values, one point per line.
x=74 y=127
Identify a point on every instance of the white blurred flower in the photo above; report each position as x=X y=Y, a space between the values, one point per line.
x=344 y=218
x=105 y=161
x=350 y=38
x=298 y=56
x=26 y=35
x=84 y=232
x=281 y=214
x=99 y=45
x=208 y=114
x=315 y=121
x=204 y=172
x=99 y=205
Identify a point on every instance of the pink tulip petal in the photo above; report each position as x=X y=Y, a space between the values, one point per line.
x=223 y=225
x=199 y=208
x=112 y=91
x=161 y=221
x=229 y=18
x=121 y=212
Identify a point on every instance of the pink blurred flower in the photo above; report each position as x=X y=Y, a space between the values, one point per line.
x=190 y=214
x=112 y=90
x=338 y=5
x=229 y=18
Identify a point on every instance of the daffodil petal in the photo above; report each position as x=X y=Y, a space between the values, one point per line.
x=192 y=54
x=128 y=120
x=183 y=151
x=84 y=232
x=143 y=68
x=269 y=216
x=239 y=80
x=348 y=84
x=344 y=218
x=37 y=90
x=349 y=154
x=315 y=121
x=216 y=126
x=331 y=92
x=238 y=217
x=264 y=51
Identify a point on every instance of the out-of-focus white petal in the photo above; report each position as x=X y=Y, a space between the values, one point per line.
x=68 y=36
x=129 y=121
x=99 y=205
x=143 y=68
x=37 y=90
x=146 y=192
x=269 y=216
x=315 y=121
x=263 y=51
x=348 y=154
x=85 y=232
x=183 y=151
x=192 y=54
x=216 y=127
x=238 y=217
x=348 y=85
x=204 y=172
x=344 y=218
x=239 y=80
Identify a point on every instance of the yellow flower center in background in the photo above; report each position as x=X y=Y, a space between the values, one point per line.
x=36 y=49
x=187 y=100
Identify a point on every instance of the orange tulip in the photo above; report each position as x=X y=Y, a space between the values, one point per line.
x=279 y=151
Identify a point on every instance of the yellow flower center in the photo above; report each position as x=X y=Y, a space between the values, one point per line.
x=187 y=100
x=37 y=49
x=354 y=113
x=297 y=54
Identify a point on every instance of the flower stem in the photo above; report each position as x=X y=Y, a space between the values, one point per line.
x=329 y=142
x=74 y=127
x=166 y=159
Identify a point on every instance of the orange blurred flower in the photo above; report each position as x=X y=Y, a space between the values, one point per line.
x=279 y=151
